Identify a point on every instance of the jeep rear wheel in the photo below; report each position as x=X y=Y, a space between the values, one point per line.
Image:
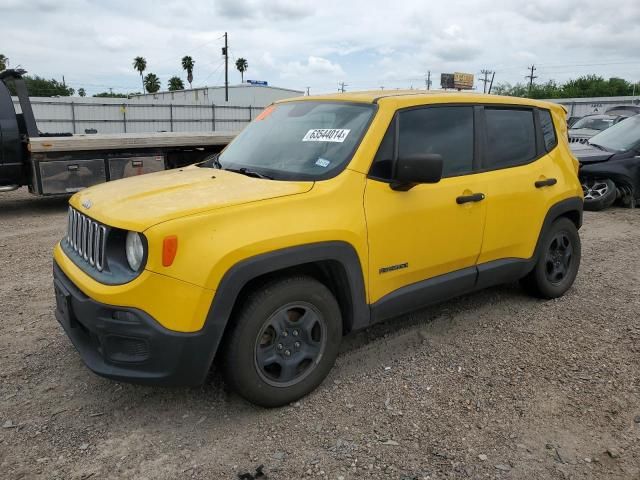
x=598 y=193
x=558 y=261
x=284 y=341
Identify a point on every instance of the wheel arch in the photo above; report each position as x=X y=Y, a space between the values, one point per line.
x=336 y=264
x=570 y=208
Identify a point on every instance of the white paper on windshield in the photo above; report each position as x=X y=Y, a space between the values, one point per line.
x=326 y=135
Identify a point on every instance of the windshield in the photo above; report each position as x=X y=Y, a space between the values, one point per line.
x=299 y=140
x=593 y=123
x=621 y=137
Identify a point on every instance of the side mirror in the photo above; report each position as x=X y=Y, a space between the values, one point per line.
x=415 y=169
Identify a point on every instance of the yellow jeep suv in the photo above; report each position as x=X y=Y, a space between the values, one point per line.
x=325 y=215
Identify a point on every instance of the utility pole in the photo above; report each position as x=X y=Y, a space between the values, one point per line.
x=531 y=77
x=485 y=80
x=341 y=86
x=308 y=91
x=428 y=80
x=225 y=52
x=491 y=84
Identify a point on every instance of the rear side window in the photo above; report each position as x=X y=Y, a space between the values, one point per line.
x=447 y=131
x=548 y=130
x=511 y=137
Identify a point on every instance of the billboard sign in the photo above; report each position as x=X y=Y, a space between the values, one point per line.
x=446 y=80
x=463 y=81
x=457 y=80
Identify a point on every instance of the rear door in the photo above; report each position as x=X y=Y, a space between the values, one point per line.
x=521 y=177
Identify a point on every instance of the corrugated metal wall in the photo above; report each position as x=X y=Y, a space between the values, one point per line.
x=75 y=116
x=579 y=107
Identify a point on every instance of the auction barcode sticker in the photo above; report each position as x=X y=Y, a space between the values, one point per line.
x=326 y=135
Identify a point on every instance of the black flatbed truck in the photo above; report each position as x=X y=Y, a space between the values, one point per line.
x=61 y=164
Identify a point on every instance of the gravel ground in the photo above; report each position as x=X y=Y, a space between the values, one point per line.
x=492 y=385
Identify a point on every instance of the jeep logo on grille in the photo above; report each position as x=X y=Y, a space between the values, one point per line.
x=87 y=204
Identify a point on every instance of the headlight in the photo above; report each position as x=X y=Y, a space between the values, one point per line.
x=135 y=250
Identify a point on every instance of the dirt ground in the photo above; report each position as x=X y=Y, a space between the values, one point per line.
x=492 y=385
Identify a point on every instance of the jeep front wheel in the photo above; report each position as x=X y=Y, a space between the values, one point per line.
x=284 y=340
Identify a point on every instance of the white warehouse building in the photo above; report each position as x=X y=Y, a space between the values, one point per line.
x=244 y=95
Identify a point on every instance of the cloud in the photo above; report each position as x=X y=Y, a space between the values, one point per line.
x=113 y=42
x=273 y=9
x=313 y=66
x=299 y=43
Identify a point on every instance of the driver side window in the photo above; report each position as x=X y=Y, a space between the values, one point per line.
x=447 y=131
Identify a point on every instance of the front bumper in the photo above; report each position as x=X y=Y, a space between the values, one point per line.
x=128 y=344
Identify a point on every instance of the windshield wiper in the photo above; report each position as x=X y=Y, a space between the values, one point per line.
x=249 y=173
x=212 y=161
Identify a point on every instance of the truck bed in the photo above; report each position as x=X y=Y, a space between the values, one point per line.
x=116 y=141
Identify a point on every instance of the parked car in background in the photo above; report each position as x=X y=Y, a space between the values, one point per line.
x=572 y=120
x=610 y=165
x=585 y=128
x=624 y=110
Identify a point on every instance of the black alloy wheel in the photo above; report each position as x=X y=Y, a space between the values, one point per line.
x=290 y=345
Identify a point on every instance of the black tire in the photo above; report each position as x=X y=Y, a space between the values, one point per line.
x=558 y=261
x=268 y=356
x=599 y=193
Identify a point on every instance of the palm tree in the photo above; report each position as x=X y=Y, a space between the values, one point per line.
x=140 y=64
x=187 y=64
x=242 y=65
x=152 y=83
x=4 y=62
x=175 y=83
x=82 y=92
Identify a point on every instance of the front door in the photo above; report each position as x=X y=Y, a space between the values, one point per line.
x=431 y=229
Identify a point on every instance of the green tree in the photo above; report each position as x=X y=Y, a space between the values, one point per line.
x=151 y=83
x=112 y=95
x=41 y=87
x=82 y=92
x=188 y=64
x=517 y=90
x=4 y=62
x=140 y=64
x=242 y=66
x=581 y=87
x=175 y=83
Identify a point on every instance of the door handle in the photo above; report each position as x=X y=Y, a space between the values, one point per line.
x=546 y=183
x=475 y=197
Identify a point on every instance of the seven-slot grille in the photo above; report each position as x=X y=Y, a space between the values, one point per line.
x=87 y=238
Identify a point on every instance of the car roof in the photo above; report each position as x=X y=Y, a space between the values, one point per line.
x=419 y=96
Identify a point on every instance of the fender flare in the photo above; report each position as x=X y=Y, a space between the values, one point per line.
x=238 y=276
x=573 y=206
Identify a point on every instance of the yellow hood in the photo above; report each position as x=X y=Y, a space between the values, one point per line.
x=138 y=203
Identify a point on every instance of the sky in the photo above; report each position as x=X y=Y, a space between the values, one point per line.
x=367 y=44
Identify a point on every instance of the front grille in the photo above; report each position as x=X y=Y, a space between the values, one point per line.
x=87 y=238
x=578 y=140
